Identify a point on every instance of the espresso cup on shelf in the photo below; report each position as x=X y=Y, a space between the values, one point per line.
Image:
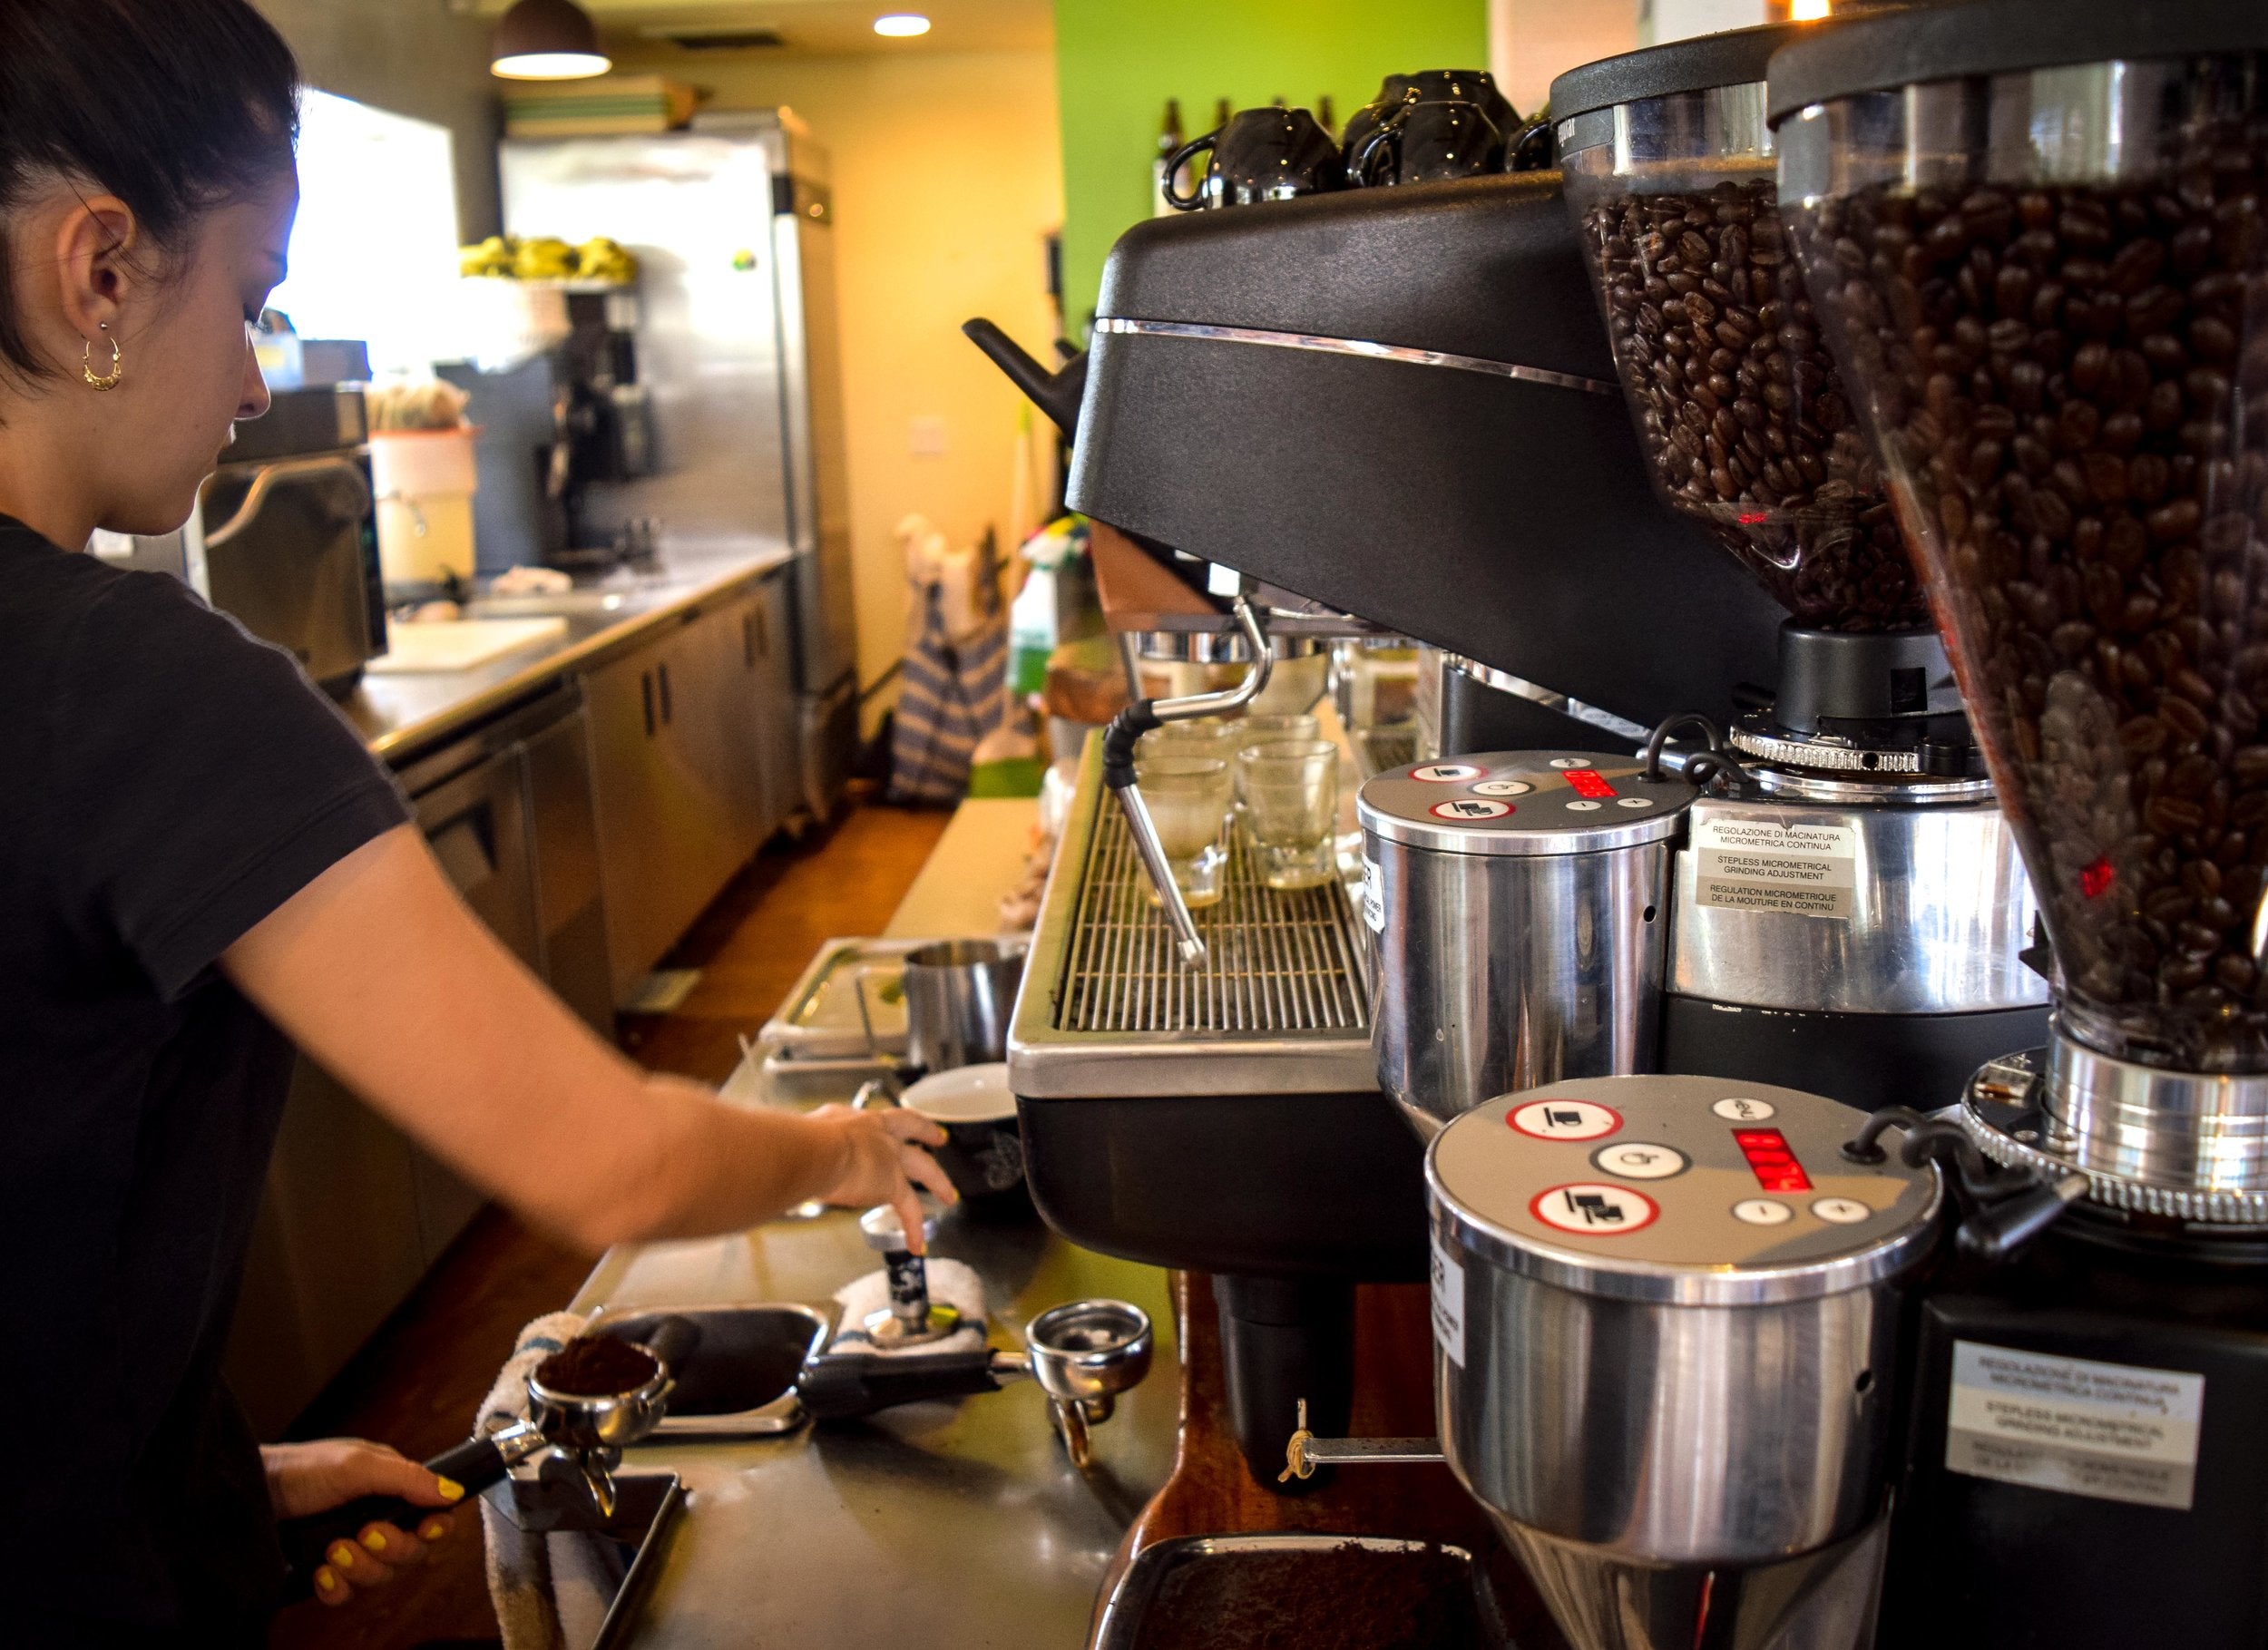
x=1261 y=154
x=1430 y=141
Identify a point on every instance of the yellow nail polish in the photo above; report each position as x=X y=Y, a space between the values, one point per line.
x=434 y=1531
x=342 y=1555
x=451 y=1490
x=372 y=1539
x=326 y=1582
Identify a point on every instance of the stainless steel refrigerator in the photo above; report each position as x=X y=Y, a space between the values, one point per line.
x=736 y=346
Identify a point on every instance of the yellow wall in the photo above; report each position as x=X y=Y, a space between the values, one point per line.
x=946 y=180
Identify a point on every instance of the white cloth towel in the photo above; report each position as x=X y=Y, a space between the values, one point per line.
x=950 y=1283
x=550 y=1591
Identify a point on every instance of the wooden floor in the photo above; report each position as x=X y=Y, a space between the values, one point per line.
x=418 y=1384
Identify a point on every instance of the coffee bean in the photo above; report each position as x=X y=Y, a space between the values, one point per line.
x=1739 y=405
x=2072 y=381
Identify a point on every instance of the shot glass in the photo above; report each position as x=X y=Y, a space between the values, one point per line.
x=1187 y=797
x=1204 y=736
x=1290 y=792
x=1274 y=729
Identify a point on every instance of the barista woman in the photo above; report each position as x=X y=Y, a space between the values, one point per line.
x=200 y=866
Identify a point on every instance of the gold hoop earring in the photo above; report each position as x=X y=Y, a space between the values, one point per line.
x=100 y=381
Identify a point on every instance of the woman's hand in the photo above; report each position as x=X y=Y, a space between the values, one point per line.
x=307 y=1478
x=882 y=1162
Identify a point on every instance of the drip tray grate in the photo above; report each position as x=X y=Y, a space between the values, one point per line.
x=1278 y=960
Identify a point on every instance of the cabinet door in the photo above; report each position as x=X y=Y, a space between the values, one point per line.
x=767 y=650
x=653 y=892
x=713 y=728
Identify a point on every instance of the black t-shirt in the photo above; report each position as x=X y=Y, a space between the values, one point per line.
x=165 y=782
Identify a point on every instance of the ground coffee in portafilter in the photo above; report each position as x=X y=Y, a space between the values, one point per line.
x=1346 y=1597
x=1738 y=405
x=2074 y=381
x=597 y=1366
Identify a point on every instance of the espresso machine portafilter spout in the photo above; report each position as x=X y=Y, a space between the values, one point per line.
x=1144 y=715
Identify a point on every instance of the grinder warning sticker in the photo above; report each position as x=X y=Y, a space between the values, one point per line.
x=1767 y=864
x=2111 y=1431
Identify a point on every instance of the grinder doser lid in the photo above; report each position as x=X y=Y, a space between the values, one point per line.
x=2059 y=342
x=1746 y=427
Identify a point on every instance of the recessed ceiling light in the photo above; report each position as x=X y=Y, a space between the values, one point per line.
x=546 y=40
x=902 y=26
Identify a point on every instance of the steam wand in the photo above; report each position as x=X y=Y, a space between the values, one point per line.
x=1144 y=715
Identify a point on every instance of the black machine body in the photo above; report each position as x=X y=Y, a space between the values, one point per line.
x=1399 y=403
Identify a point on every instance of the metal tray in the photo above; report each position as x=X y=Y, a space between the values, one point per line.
x=1108 y=1009
x=1145 y=1578
x=820 y=1018
x=740 y=1380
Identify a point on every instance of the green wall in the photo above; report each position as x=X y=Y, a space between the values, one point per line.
x=1118 y=62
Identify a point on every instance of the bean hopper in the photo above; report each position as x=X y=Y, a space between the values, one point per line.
x=1849 y=908
x=2035 y=235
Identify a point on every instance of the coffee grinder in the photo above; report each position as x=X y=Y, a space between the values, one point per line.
x=1849 y=907
x=2034 y=231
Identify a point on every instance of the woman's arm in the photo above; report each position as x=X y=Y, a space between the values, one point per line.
x=379 y=971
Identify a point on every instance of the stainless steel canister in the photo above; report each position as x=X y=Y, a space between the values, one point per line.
x=959 y=996
x=1520 y=906
x=1666 y=1317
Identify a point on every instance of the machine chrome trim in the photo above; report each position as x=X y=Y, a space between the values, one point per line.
x=2188 y=1145
x=1821 y=753
x=1937 y=911
x=1322 y=344
x=1504 y=682
x=1869 y=792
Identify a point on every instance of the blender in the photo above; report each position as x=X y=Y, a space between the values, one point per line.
x=2036 y=237
x=1849 y=908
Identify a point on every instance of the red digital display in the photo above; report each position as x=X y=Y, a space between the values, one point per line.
x=1770 y=1161
x=1590 y=783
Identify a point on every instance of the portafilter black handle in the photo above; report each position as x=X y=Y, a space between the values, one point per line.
x=842 y=1386
x=475 y=1464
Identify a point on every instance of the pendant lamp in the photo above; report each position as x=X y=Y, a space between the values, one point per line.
x=546 y=40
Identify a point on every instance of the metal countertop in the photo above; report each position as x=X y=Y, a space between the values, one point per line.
x=955 y=1526
x=401 y=715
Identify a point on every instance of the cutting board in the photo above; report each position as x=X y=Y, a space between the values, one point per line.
x=460 y=644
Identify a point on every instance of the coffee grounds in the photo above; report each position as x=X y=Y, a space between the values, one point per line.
x=2064 y=379
x=1346 y=1597
x=1738 y=406
x=597 y=1366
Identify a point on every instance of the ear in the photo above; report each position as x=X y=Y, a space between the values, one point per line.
x=96 y=274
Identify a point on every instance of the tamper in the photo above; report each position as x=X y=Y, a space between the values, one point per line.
x=912 y=1318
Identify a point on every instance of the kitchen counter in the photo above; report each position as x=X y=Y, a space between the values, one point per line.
x=955 y=1526
x=401 y=715
x=948 y=1526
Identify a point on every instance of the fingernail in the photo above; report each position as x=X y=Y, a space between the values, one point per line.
x=434 y=1531
x=325 y=1581
x=342 y=1555
x=372 y=1539
x=451 y=1490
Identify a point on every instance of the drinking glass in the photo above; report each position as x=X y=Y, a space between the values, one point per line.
x=1273 y=729
x=1204 y=736
x=1290 y=792
x=1187 y=796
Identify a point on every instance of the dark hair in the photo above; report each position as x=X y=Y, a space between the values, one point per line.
x=174 y=106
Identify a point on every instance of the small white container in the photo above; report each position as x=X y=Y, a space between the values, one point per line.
x=425 y=480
